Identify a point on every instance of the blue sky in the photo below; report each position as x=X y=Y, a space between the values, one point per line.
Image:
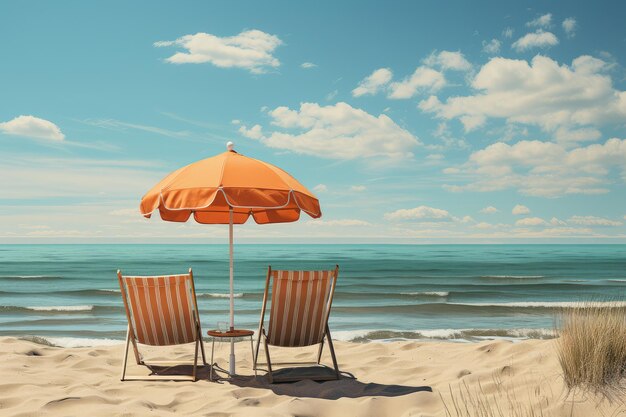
x=412 y=121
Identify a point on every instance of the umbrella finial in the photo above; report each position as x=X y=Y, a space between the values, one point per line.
x=230 y=145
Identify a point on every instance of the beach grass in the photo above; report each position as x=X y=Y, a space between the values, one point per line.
x=592 y=347
x=499 y=400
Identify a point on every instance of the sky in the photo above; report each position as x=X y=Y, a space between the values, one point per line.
x=412 y=122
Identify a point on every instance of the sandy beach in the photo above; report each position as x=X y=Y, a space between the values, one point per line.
x=380 y=379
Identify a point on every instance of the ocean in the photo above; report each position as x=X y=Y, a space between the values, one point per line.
x=69 y=294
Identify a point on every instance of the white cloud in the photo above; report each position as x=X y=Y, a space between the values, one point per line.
x=339 y=222
x=557 y=222
x=120 y=125
x=331 y=96
x=75 y=178
x=235 y=122
x=308 y=65
x=251 y=50
x=435 y=157
x=320 y=188
x=569 y=26
x=531 y=221
x=485 y=226
x=255 y=132
x=492 y=47
x=544 y=168
x=508 y=33
x=538 y=39
x=593 y=221
x=542 y=21
x=127 y=212
x=32 y=127
x=489 y=210
x=419 y=213
x=424 y=79
x=337 y=131
x=520 y=209
x=358 y=188
x=448 y=60
x=373 y=83
x=541 y=93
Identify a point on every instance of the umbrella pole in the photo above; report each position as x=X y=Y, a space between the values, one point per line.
x=232 y=295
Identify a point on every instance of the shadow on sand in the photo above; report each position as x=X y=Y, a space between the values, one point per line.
x=346 y=387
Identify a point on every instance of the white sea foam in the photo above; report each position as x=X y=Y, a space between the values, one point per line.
x=459 y=335
x=347 y=335
x=28 y=276
x=61 y=308
x=512 y=276
x=428 y=293
x=73 y=342
x=548 y=304
x=219 y=295
x=109 y=290
x=617 y=280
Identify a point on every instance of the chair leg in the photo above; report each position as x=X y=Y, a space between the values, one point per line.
x=267 y=356
x=212 y=352
x=332 y=351
x=252 y=353
x=202 y=350
x=258 y=342
x=195 y=359
x=319 y=352
x=125 y=355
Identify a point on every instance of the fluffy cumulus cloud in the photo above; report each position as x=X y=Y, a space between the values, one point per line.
x=544 y=168
x=448 y=60
x=520 y=209
x=538 y=39
x=593 y=221
x=492 y=47
x=561 y=99
x=542 y=21
x=420 y=213
x=531 y=221
x=255 y=132
x=489 y=210
x=32 y=127
x=569 y=26
x=427 y=78
x=424 y=79
x=373 y=83
x=251 y=50
x=337 y=131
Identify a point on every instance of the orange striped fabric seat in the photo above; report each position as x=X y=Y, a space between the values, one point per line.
x=300 y=307
x=161 y=309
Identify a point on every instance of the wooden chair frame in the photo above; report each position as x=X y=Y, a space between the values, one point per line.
x=132 y=339
x=327 y=336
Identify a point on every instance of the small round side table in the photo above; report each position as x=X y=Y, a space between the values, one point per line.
x=216 y=334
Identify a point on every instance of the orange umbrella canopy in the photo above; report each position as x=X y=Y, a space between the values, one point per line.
x=210 y=187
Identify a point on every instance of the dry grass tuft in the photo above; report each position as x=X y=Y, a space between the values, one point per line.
x=592 y=347
x=464 y=401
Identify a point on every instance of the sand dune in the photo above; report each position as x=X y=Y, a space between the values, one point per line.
x=381 y=379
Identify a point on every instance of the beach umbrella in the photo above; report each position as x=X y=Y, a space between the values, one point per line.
x=229 y=188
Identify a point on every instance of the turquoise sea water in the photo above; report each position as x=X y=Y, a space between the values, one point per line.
x=462 y=292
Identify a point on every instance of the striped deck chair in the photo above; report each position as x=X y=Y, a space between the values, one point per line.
x=299 y=311
x=161 y=311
